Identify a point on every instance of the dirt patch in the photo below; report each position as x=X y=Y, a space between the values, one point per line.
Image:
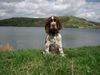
x=6 y=47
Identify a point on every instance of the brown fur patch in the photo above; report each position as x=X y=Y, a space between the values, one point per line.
x=54 y=49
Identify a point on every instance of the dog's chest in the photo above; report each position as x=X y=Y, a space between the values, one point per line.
x=53 y=39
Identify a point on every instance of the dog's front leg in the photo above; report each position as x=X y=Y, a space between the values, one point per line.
x=47 y=43
x=61 y=49
x=59 y=42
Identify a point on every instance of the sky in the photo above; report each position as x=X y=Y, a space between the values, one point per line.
x=88 y=9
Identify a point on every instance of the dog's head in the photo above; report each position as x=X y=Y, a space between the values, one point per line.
x=53 y=25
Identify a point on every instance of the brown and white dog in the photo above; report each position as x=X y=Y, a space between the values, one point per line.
x=53 y=41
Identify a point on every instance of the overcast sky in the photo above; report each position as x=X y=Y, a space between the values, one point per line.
x=89 y=9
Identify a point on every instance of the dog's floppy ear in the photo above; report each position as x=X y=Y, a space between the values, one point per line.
x=58 y=24
x=47 y=25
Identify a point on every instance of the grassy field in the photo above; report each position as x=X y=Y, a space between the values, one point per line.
x=77 y=61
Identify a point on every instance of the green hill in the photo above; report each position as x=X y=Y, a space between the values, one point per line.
x=75 y=22
x=23 y=22
x=67 y=21
x=77 y=61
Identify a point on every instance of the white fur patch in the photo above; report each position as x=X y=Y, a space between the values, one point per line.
x=52 y=17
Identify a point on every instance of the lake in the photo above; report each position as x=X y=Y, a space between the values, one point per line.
x=34 y=37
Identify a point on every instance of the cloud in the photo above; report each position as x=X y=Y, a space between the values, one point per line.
x=11 y=1
x=87 y=15
x=90 y=11
x=45 y=8
x=93 y=0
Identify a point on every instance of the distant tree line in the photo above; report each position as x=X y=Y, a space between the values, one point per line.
x=66 y=21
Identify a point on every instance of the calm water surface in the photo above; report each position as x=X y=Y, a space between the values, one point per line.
x=34 y=37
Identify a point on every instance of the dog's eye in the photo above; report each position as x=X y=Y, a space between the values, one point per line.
x=51 y=20
x=54 y=19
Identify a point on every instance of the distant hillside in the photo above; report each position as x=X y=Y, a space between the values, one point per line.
x=76 y=22
x=23 y=22
x=67 y=21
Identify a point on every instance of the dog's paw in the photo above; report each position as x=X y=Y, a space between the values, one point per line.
x=63 y=55
x=45 y=52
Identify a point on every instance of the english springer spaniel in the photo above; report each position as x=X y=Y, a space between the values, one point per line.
x=53 y=41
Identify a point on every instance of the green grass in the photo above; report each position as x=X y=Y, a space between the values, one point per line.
x=77 y=61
